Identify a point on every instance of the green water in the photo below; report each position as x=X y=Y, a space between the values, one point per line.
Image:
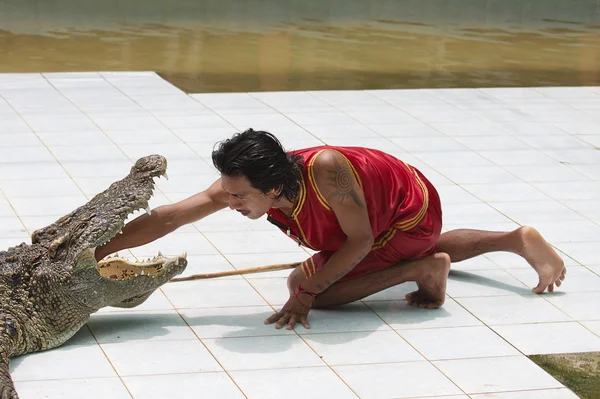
x=269 y=45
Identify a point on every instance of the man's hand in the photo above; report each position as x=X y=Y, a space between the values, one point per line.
x=295 y=310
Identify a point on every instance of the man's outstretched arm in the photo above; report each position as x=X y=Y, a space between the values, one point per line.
x=166 y=219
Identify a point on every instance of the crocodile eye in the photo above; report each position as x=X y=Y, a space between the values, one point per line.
x=141 y=163
x=42 y=234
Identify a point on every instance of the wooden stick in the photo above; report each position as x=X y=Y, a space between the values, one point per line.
x=250 y=270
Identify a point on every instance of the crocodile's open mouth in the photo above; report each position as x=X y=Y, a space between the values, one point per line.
x=120 y=201
x=115 y=267
x=118 y=268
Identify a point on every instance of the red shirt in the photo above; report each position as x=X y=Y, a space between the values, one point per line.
x=395 y=195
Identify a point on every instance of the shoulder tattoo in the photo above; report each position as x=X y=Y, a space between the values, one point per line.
x=341 y=180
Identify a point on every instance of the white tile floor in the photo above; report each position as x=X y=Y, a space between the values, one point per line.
x=501 y=157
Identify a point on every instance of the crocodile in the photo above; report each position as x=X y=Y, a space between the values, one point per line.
x=50 y=287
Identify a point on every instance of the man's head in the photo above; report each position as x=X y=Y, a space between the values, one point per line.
x=256 y=172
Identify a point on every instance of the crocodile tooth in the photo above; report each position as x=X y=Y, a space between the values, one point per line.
x=165 y=175
x=148 y=211
x=143 y=272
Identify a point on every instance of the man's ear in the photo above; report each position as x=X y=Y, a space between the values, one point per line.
x=276 y=191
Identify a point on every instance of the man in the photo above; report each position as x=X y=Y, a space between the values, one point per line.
x=374 y=220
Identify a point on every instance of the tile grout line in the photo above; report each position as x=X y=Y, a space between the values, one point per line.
x=109 y=361
x=453 y=104
x=208 y=350
x=522 y=354
x=488 y=326
x=361 y=123
x=337 y=107
x=414 y=348
x=16 y=214
x=87 y=116
x=508 y=134
x=563 y=202
x=44 y=146
x=252 y=94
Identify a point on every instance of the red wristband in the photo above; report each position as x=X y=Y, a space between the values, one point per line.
x=300 y=290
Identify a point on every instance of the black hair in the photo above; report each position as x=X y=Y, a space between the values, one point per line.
x=259 y=157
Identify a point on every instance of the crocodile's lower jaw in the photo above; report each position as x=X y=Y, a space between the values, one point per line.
x=118 y=268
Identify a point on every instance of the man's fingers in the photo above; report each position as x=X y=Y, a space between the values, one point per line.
x=292 y=322
x=274 y=318
x=295 y=319
x=304 y=322
x=284 y=319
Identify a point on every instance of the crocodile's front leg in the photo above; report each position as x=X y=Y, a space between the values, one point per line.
x=10 y=334
x=7 y=388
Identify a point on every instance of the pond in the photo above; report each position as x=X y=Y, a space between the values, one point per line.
x=272 y=45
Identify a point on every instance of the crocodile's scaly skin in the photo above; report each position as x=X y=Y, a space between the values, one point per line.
x=49 y=288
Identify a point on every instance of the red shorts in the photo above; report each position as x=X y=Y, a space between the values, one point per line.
x=403 y=246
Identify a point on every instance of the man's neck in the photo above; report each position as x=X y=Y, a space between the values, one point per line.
x=286 y=206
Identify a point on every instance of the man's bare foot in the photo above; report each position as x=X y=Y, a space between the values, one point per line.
x=432 y=285
x=542 y=257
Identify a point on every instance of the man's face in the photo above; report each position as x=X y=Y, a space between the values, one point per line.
x=244 y=198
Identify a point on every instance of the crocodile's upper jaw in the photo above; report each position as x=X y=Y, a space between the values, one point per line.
x=103 y=217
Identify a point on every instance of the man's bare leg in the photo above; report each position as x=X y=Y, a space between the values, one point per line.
x=431 y=274
x=525 y=241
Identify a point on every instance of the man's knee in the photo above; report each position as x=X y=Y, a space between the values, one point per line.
x=296 y=277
